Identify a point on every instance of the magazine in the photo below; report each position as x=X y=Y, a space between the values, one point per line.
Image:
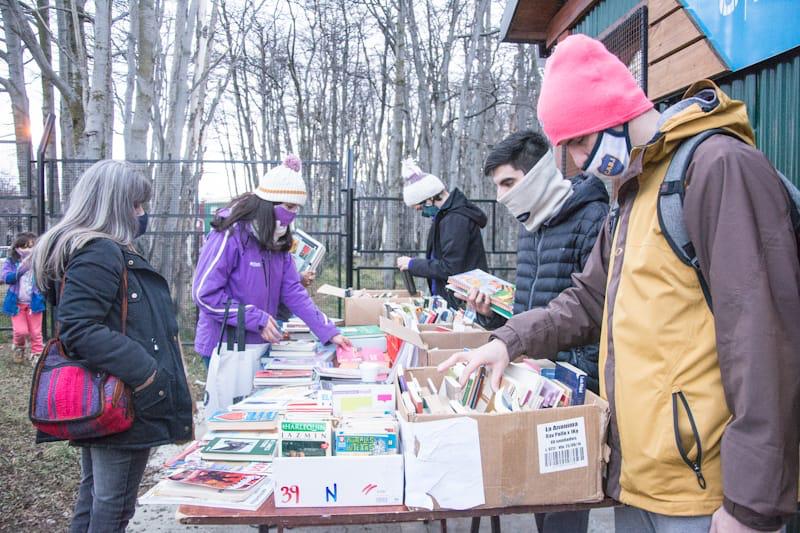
x=306 y=251
x=216 y=480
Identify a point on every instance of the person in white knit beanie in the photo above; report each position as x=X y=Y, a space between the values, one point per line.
x=455 y=244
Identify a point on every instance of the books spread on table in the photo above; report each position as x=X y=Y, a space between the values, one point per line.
x=239 y=449
x=278 y=378
x=500 y=292
x=169 y=492
x=306 y=251
x=227 y=485
x=243 y=420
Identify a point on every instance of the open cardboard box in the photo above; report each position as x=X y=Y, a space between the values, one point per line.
x=539 y=457
x=435 y=346
x=365 y=306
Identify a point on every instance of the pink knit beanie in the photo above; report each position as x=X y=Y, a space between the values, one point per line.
x=586 y=89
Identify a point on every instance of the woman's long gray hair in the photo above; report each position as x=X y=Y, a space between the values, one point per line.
x=102 y=205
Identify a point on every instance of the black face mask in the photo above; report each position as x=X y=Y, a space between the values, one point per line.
x=142 y=225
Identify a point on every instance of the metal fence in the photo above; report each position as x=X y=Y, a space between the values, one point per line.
x=363 y=235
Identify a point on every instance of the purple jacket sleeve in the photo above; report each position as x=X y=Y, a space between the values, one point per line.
x=9 y=272
x=209 y=289
x=296 y=298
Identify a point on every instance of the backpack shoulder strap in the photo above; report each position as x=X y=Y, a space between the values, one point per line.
x=670 y=205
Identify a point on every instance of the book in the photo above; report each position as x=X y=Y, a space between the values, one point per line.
x=305 y=438
x=366 y=436
x=226 y=484
x=364 y=398
x=239 y=449
x=288 y=348
x=365 y=336
x=163 y=493
x=575 y=379
x=352 y=357
x=500 y=292
x=243 y=421
x=306 y=251
x=408 y=281
x=272 y=378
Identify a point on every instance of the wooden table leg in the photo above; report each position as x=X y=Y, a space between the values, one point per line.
x=263 y=529
x=443 y=525
x=495 y=524
x=476 y=525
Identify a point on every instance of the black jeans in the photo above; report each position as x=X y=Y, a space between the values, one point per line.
x=110 y=480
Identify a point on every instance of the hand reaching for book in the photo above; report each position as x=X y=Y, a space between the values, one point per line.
x=493 y=355
x=271 y=332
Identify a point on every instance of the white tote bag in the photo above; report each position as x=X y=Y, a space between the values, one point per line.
x=232 y=367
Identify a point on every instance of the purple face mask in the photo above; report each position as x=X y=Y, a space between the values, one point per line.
x=283 y=215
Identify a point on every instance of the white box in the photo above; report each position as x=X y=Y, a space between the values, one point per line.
x=338 y=481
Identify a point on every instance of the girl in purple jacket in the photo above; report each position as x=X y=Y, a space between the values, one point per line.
x=246 y=261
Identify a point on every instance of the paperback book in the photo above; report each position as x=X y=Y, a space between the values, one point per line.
x=243 y=421
x=306 y=251
x=500 y=292
x=239 y=449
x=305 y=438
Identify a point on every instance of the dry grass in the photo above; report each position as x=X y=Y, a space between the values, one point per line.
x=39 y=482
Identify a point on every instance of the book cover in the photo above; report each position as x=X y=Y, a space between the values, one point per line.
x=216 y=480
x=347 y=443
x=239 y=449
x=243 y=420
x=311 y=438
x=306 y=251
x=575 y=379
x=500 y=292
x=355 y=332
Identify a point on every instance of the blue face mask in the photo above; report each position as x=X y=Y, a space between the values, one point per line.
x=429 y=211
x=142 y=225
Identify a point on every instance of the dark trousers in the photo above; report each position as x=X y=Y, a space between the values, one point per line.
x=566 y=522
x=110 y=480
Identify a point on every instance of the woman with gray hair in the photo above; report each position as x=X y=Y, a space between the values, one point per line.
x=89 y=255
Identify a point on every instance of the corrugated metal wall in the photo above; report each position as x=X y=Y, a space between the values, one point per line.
x=603 y=15
x=772 y=93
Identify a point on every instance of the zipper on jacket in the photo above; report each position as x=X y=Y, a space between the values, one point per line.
x=539 y=239
x=695 y=464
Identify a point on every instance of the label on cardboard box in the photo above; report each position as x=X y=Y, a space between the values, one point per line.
x=562 y=445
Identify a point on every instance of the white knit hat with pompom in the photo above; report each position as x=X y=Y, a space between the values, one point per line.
x=418 y=186
x=283 y=184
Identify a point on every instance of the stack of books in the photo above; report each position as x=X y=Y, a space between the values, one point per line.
x=428 y=310
x=500 y=292
x=365 y=336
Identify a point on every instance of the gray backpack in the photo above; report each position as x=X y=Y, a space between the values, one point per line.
x=670 y=205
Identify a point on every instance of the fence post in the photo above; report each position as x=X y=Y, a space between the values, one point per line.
x=41 y=226
x=349 y=219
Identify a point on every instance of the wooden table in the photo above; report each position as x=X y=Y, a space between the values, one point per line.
x=268 y=515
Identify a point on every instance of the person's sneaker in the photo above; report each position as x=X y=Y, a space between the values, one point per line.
x=18 y=355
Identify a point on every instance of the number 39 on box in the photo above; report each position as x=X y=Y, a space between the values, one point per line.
x=338 y=481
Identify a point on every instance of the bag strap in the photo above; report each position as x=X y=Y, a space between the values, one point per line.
x=224 y=326
x=670 y=204
x=240 y=329
x=123 y=290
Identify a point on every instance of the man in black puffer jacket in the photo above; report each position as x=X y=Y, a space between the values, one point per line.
x=455 y=244
x=560 y=220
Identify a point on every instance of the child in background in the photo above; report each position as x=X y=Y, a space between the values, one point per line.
x=23 y=303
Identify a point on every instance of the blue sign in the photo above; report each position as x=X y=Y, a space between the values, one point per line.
x=744 y=32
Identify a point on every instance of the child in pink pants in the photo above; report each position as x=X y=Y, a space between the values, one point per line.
x=23 y=302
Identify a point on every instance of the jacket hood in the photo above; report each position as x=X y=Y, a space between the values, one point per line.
x=585 y=190
x=704 y=106
x=458 y=203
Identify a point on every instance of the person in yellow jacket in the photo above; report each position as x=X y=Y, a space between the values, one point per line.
x=700 y=366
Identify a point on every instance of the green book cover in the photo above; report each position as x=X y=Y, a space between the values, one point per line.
x=355 y=332
x=236 y=446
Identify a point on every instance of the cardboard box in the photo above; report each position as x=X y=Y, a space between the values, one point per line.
x=540 y=457
x=338 y=481
x=435 y=346
x=365 y=307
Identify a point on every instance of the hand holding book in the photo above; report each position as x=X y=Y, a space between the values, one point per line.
x=480 y=301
